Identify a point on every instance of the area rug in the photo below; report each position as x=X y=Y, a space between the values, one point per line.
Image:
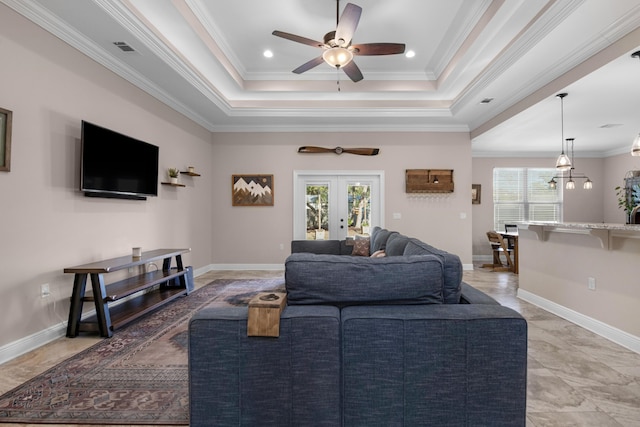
x=137 y=377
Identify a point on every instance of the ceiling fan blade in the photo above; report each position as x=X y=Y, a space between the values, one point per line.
x=340 y=150
x=309 y=65
x=378 y=48
x=297 y=39
x=352 y=70
x=362 y=151
x=347 y=24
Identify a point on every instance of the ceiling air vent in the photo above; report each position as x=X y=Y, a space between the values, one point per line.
x=486 y=100
x=124 y=46
x=610 y=125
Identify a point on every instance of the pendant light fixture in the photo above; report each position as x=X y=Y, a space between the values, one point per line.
x=571 y=184
x=635 y=147
x=563 y=163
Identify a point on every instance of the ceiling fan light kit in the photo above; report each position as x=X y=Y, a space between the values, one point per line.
x=338 y=50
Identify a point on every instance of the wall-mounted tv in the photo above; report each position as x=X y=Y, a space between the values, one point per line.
x=117 y=166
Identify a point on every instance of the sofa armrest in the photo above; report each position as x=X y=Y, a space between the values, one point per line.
x=471 y=295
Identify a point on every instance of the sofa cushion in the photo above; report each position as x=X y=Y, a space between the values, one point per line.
x=452 y=268
x=380 y=241
x=316 y=246
x=396 y=244
x=335 y=247
x=238 y=380
x=372 y=237
x=340 y=280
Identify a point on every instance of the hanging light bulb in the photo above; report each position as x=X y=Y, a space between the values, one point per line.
x=552 y=184
x=588 y=184
x=571 y=184
x=635 y=148
x=563 y=163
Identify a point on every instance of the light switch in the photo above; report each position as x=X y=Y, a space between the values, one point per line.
x=397 y=215
x=463 y=215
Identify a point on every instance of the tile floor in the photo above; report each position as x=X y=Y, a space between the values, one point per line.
x=575 y=378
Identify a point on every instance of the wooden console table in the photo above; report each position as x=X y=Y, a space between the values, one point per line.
x=107 y=319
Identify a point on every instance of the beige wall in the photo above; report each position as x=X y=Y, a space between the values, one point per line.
x=47 y=224
x=256 y=233
x=579 y=205
x=558 y=268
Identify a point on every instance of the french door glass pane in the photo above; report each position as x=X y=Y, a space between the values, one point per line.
x=359 y=208
x=317 y=212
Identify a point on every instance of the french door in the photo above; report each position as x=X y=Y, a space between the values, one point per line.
x=334 y=205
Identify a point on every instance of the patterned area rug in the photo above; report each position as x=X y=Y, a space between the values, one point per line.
x=139 y=376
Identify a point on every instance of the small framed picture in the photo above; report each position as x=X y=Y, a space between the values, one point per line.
x=5 y=139
x=252 y=190
x=475 y=194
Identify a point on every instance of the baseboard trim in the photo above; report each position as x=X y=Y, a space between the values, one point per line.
x=24 y=345
x=31 y=342
x=609 y=332
x=244 y=267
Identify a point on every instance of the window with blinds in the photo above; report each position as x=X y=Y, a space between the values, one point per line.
x=523 y=194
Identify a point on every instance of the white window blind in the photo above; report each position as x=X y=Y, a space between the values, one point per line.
x=523 y=194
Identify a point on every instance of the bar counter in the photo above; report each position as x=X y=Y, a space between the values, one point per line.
x=588 y=273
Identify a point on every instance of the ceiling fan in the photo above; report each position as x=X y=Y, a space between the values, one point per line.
x=338 y=50
x=340 y=150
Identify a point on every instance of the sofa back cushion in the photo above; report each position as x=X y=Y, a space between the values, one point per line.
x=340 y=280
x=396 y=244
x=452 y=268
x=335 y=247
x=380 y=240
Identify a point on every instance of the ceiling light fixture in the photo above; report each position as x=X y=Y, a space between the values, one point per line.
x=410 y=54
x=337 y=57
x=267 y=54
x=635 y=147
x=571 y=184
x=563 y=163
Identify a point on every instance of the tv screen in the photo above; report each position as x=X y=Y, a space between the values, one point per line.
x=117 y=166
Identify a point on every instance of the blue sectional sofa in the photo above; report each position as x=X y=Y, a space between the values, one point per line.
x=393 y=341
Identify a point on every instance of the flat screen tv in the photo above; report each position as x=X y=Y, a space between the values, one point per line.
x=117 y=166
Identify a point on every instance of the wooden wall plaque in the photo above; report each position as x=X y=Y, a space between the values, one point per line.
x=429 y=180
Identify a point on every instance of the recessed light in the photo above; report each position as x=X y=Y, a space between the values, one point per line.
x=410 y=54
x=267 y=54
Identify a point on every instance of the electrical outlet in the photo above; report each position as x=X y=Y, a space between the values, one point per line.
x=591 y=283
x=44 y=290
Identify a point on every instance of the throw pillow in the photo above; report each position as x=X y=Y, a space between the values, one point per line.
x=360 y=247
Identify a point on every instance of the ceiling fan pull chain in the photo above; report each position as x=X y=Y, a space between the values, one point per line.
x=338 y=78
